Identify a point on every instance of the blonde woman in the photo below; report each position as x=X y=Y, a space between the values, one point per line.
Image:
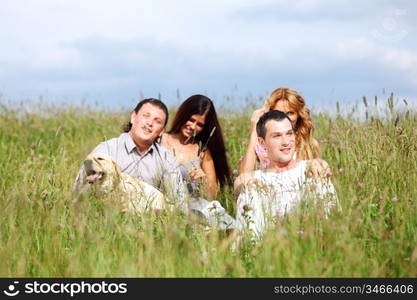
x=307 y=148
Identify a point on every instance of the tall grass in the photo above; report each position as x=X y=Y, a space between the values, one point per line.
x=43 y=234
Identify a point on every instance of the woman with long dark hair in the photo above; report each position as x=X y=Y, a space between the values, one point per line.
x=196 y=139
x=197 y=142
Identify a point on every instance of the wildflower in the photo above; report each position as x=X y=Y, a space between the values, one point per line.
x=229 y=267
x=263 y=156
x=382 y=198
x=301 y=232
x=234 y=172
x=341 y=171
x=246 y=208
x=360 y=184
x=394 y=199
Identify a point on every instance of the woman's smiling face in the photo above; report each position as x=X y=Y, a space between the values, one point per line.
x=288 y=110
x=193 y=126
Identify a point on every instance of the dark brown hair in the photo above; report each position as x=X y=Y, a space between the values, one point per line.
x=202 y=105
x=153 y=101
x=276 y=115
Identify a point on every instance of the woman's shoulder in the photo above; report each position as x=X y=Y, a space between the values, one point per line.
x=163 y=139
x=164 y=143
x=169 y=141
x=205 y=153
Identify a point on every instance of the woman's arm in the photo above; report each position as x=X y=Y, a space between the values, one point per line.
x=207 y=172
x=249 y=159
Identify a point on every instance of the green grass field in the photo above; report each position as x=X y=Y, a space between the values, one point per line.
x=42 y=234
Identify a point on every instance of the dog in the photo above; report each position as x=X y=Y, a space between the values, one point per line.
x=102 y=176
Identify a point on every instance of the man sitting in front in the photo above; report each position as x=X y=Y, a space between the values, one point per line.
x=137 y=153
x=281 y=188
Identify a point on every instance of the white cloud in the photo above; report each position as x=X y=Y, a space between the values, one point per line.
x=401 y=61
x=211 y=45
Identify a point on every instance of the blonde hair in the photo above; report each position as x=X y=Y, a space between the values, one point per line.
x=307 y=146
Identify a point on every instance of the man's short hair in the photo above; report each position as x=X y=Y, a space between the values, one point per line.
x=276 y=115
x=152 y=101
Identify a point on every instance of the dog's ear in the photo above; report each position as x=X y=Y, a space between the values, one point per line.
x=79 y=181
x=118 y=171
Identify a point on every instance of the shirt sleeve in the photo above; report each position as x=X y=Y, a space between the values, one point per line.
x=173 y=184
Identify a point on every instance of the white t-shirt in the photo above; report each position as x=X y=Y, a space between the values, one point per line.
x=277 y=195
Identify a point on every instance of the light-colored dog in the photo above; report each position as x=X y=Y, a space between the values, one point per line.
x=103 y=177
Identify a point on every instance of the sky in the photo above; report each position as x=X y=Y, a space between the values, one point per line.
x=114 y=53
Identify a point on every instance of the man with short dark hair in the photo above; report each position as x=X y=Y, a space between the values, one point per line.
x=280 y=189
x=137 y=153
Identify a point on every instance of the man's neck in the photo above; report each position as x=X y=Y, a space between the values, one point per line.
x=279 y=167
x=140 y=146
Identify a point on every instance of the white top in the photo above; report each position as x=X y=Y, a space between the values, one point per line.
x=278 y=194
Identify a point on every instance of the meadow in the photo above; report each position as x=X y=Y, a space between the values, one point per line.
x=43 y=234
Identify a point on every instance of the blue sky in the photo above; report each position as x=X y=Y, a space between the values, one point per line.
x=115 y=52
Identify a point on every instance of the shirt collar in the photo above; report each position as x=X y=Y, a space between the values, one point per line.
x=131 y=146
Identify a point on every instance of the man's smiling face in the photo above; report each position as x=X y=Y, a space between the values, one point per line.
x=279 y=141
x=147 y=124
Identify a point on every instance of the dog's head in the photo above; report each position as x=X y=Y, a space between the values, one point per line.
x=101 y=172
